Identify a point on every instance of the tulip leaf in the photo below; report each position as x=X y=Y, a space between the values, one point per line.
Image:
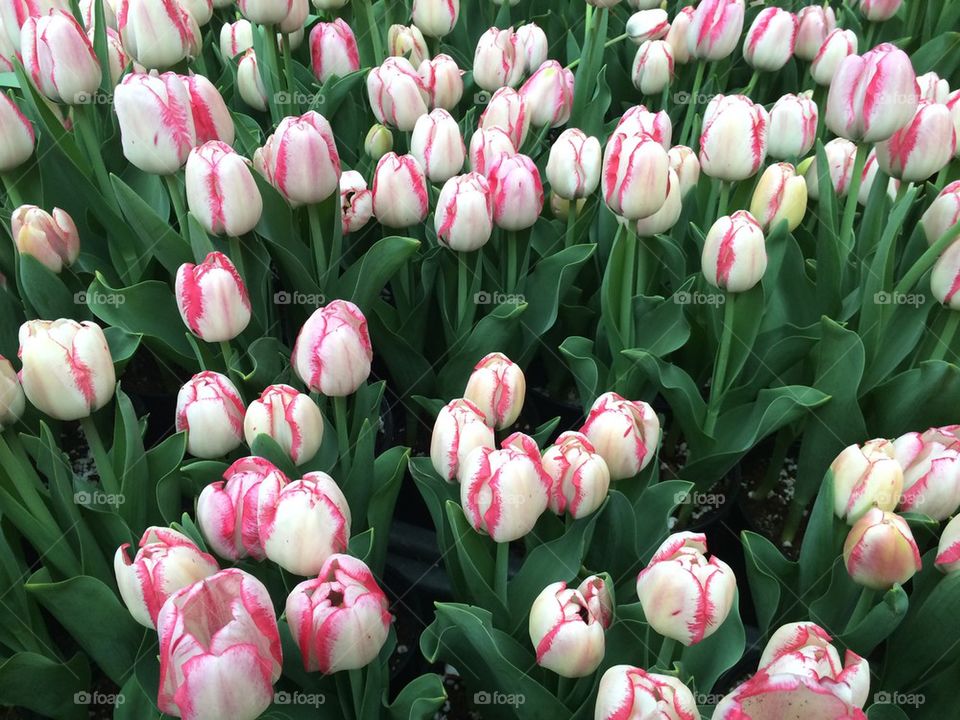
x=47 y=293
x=710 y=658
x=924 y=396
x=883 y=619
x=885 y=711
x=136 y=704
x=822 y=541
x=768 y=572
x=420 y=699
x=389 y=469
x=361 y=545
x=365 y=279
x=154 y=231
x=830 y=256
x=475 y=555
x=46 y=686
x=657 y=501
x=163 y=461
x=123 y=345
x=585 y=367
x=266 y=447
x=941 y=54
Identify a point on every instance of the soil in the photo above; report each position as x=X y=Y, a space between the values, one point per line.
x=768 y=516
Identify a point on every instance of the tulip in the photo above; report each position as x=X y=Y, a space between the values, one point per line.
x=668 y=214
x=293 y=22
x=517 y=192
x=116 y=55
x=879 y=10
x=816 y=22
x=397 y=94
x=236 y=38
x=12 y=400
x=734 y=255
x=684 y=162
x=648 y=25
x=305 y=524
x=549 y=95
x=356 y=202
x=400 y=197
x=300 y=159
x=866 y=477
x=67 y=372
x=250 y=83
x=157 y=33
x=872 y=96
x=630 y=692
x=222 y=194
x=880 y=551
x=635 y=175
x=948 y=550
x=638 y=120
x=793 y=127
x=678 y=33
x=933 y=88
x=503 y=492
x=219 y=649
x=532 y=41
x=922 y=147
x=579 y=476
x=943 y=213
x=18 y=137
x=566 y=635
x=497 y=386
x=573 y=168
x=436 y=18
x=625 y=433
x=340 y=620
x=379 y=142
x=265 y=12
x=52 y=239
x=840 y=154
x=715 y=29
x=869 y=176
x=460 y=428
x=156 y=124
x=209 y=408
x=200 y=10
x=289 y=418
x=560 y=207
x=684 y=596
x=953 y=102
x=438 y=146
x=487 y=146
x=165 y=562
x=332 y=354
x=509 y=111
x=733 y=142
x=653 y=67
x=212 y=298
x=945 y=278
x=443 y=81
x=771 y=39
x=59 y=58
x=499 y=60
x=596 y=591
x=464 y=215
x=838 y=45
x=931 y=472
x=407 y=42
x=333 y=50
x=781 y=194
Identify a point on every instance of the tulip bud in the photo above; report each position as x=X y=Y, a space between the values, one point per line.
x=668 y=214
x=635 y=175
x=58 y=57
x=88 y=15
x=156 y=125
x=293 y=22
x=250 y=83
x=212 y=298
x=157 y=34
x=733 y=142
x=579 y=475
x=499 y=60
x=532 y=42
x=945 y=278
x=734 y=254
x=332 y=354
x=397 y=94
x=678 y=33
x=379 y=142
x=771 y=39
x=838 y=45
x=793 y=127
x=209 y=408
x=67 y=372
x=653 y=67
x=509 y=111
x=436 y=18
x=300 y=159
x=236 y=38
x=639 y=120
x=933 y=88
x=872 y=96
x=289 y=418
x=567 y=637
x=12 y=401
x=816 y=22
x=560 y=207
x=715 y=29
x=341 y=619
x=880 y=551
x=497 y=386
x=400 y=198
x=948 y=550
x=685 y=596
x=116 y=55
x=356 y=202
x=573 y=169
x=781 y=194
x=631 y=692
x=438 y=146
x=840 y=158
x=943 y=213
x=165 y=562
x=487 y=146
x=922 y=147
x=648 y=25
x=879 y=10
x=221 y=192
x=443 y=81
x=333 y=50
x=684 y=162
x=866 y=477
x=517 y=192
x=549 y=95
x=931 y=472
x=625 y=433
x=265 y=12
x=869 y=175
x=408 y=42
x=51 y=239
x=17 y=132
x=460 y=428
x=464 y=215
x=200 y=10
x=596 y=590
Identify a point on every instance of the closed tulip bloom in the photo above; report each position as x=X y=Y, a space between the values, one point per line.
x=300 y=159
x=221 y=192
x=219 y=649
x=517 y=192
x=407 y=42
x=635 y=175
x=734 y=254
x=549 y=94
x=12 y=399
x=953 y=102
x=50 y=238
x=437 y=144
x=880 y=551
x=340 y=620
x=209 y=408
x=499 y=60
x=509 y=111
x=333 y=50
x=250 y=83
x=922 y=147
x=379 y=142
x=573 y=168
x=497 y=386
x=733 y=142
x=165 y=562
x=443 y=81
x=532 y=41
x=66 y=368
x=771 y=39
x=793 y=127
x=872 y=96
x=397 y=94
x=653 y=67
x=638 y=119
x=865 y=477
x=677 y=35
x=356 y=201
x=715 y=29
x=630 y=692
x=156 y=123
x=487 y=146
x=213 y=299
x=293 y=22
x=307 y=522
x=838 y=45
x=116 y=55
x=684 y=162
x=265 y=12
x=781 y=194
x=668 y=214
x=200 y=10
x=648 y=25
x=945 y=278
x=289 y=418
x=460 y=428
x=579 y=475
x=816 y=22
x=17 y=132
x=948 y=550
x=236 y=37
x=464 y=215
x=400 y=198
x=879 y=10
x=931 y=472
x=684 y=596
x=157 y=33
x=58 y=57
x=436 y=18
x=870 y=170
x=332 y=354
x=933 y=88
x=840 y=154
x=596 y=590
x=943 y=213
x=567 y=637
x=625 y=433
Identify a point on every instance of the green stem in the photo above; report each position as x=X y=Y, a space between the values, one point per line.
x=378 y=55
x=16 y=199
x=511 y=262
x=316 y=239
x=227 y=357
x=927 y=260
x=85 y=121
x=291 y=83
x=752 y=84
x=108 y=477
x=501 y=571
x=627 y=286
x=792 y=524
x=26 y=482
x=850 y=209
x=270 y=70
x=569 y=238
x=779 y=454
x=608 y=43
x=724 y=201
x=176 y=199
x=720 y=367
x=643 y=267
x=463 y=292
x=343 y=433
x=864 y=603
x=949 y=331
x=236 y=255
x=692 y=102
x=356 y=689
x=666 y=653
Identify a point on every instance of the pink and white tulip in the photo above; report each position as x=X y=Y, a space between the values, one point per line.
x=443 y=81
x=646 y=25
x=517 y=192
x=59 y=58
x=638 y=119
x=333 y=50
x=497 y=386
x=464 y=215
x=668 y=214
x=879 y=10
x=332 y=354
x=816 y=22
x=356 y=201
x=841 y=155
x=436 y=18
x=573 y=168
x=771 y=39
x=250 y=82
x=880 y=551
x=549 y=95
x=677 y=34
x=499 y=60
x=734 y=255
x=948 y=549
x=533 y=44
x=838 y=45
x=301 y=160
x=12 y=400
x=733 y=142
x=18 y=136
x=290 y=418
x=933 y=88
x=407 y=41
x=210 y=410
x=397 y=93
x=156 y=123
x=221 y=192
x=625 y=433
x=931 y=471
x=236 y=37
x=509 y=111
x=579 y=474
x=943 y=213
x=116 y=55
x=635 y=175
x=793 y=127
x=945 y=278
x=460 y=428
x=265 y=12
x=400 y=197
x=922 y=147
x=158 y=34
x=631 y=692
x=212 y=298
x=567 y=637
x=487 y=146
x=438 y=146
x=866 y=477
x=653 y=67
x=780 y=195
x=51 y=238
x=871 y=169
x=684 y=162
x=715 y=29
